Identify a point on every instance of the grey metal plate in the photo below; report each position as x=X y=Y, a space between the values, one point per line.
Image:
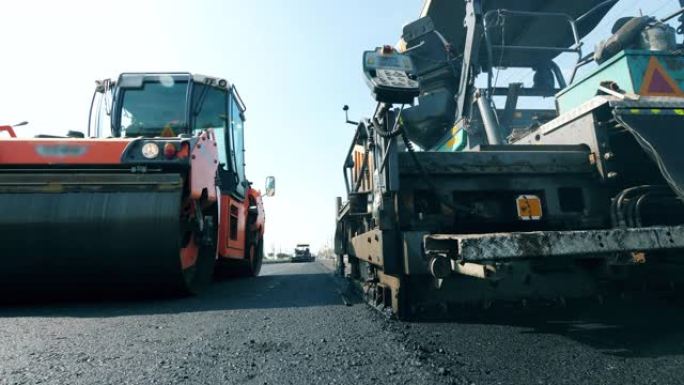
x=510 y=246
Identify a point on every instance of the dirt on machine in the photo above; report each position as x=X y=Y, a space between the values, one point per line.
x=466 y=186
x=153 y=197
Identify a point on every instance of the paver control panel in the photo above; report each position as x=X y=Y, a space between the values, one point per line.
x=389 y=74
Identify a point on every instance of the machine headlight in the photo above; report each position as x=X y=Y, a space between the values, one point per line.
x=150 y=150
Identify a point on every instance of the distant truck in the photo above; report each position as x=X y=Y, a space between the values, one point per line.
x=302 y=254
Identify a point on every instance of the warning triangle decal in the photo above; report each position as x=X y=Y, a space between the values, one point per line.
x=657 y=82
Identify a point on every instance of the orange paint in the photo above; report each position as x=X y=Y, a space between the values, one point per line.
x=234 y=245
x=232 y=227
x=184 y=151
x=9 y=130
x=258 y=226
x=59 y=151
x=188 y=255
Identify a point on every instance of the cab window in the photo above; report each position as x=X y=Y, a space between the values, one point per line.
x=155 y=107
x=237 y=125
x=209 y=107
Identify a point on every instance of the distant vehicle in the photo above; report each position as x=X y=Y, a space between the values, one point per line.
x=302 y=254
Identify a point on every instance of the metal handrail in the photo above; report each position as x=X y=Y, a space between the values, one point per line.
x=672 y=16
x=9 y=130
x=596 y=8
x=238 y=98
x=590 y=57
x=576 y=48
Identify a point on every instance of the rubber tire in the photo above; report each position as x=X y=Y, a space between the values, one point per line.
x=256 y=260
x=243 y=268
x=203 y=274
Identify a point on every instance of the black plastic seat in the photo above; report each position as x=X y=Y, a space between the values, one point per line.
x=437 y=69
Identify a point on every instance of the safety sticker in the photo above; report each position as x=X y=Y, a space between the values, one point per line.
x=657 y=82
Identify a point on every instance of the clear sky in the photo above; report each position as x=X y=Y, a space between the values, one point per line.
x=295 y=63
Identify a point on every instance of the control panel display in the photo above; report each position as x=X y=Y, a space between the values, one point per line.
x=389 y=74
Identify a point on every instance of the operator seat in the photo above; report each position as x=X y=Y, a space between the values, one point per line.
x=438 y=70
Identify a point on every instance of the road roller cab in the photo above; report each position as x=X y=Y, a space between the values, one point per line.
x=154 y=195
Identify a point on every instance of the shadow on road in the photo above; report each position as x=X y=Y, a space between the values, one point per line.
x=634 y=328
x=279 y=287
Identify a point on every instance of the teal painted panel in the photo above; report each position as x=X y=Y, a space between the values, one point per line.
x=628 y=69
x=670 y=65
x=616 y=70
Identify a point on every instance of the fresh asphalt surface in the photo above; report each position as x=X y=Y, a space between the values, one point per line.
x=292 y=325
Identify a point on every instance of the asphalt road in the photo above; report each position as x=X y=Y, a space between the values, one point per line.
x=292 y=326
